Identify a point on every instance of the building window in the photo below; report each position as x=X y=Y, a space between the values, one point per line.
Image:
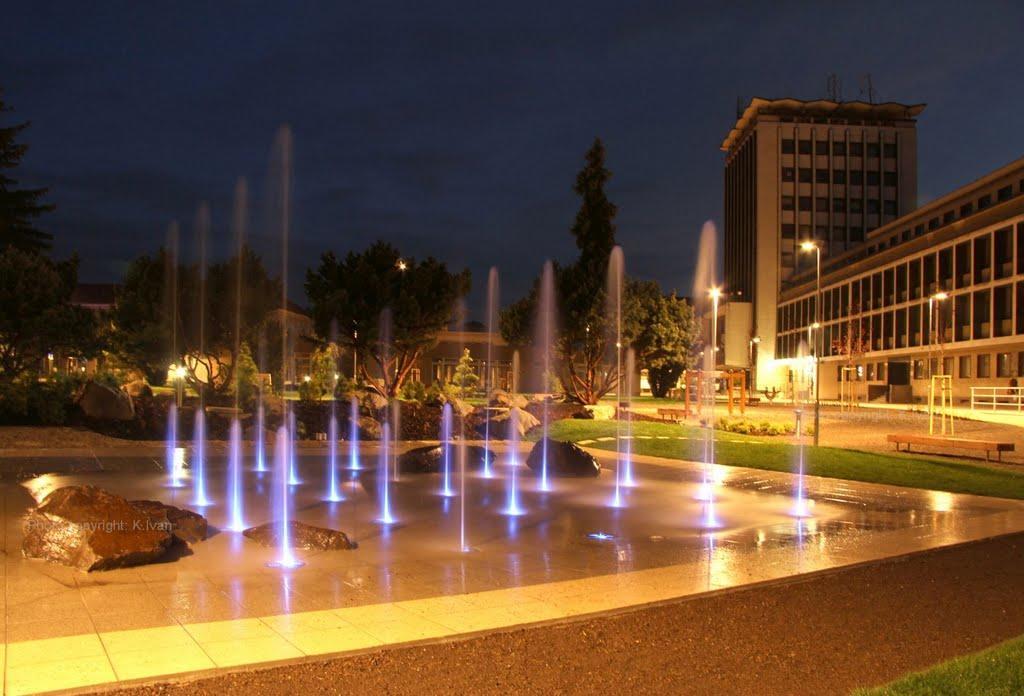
x=805 y=147
x=918 y=230
x=984 y=202
x=856 y=234
x=805 y=175
x=821 y=205
x=934 y=224
x=880 y=373
x=787 y=202
x=1020 y=364
x=788 y=146
x=947 y=366
x=889 y=150
x=839 y=149
x=805 y=202
x=856 y=205
x=821 y=176
x=889 y=178
x=873 y=207
x=966 y=209
x=984 y=365
x=838 y=205
x=788 y=174
x=1003 y=367
x=873 y=178
x=856 y=149
x=920 y=369
x=874 y=150
x=871 y=372
x=839 y=176
x=788 y=231
x=1004 y=193
x=821 y=147
x=856 y=177
x=889 y=208
x=948 y=217
x=965 y=366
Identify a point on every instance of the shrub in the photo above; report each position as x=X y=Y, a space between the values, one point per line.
x=742 y=426
x=413 y=391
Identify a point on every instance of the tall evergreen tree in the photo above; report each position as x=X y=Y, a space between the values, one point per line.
x=19 y=208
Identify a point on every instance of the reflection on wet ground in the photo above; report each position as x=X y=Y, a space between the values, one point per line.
x=567 y=534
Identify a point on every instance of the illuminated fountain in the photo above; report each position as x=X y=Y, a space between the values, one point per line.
x=492 y=325
x=545 y=331
x=512 y=506
x=174 y=459
x=353 y=434
x=624 y=465
x=236 y=493
x=446 y=451
x=282 y=501
x=199 y=496
x=260 y=444
x=383 y=476
x=293 y=436
x=709 y=294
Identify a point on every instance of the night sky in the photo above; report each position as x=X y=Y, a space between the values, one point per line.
x=457 y=130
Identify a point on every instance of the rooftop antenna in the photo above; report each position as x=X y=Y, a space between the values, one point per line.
x=833 y=87
x=866 y=86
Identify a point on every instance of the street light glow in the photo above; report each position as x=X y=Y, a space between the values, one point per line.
x=715 y=293
x=940 y=296
x=808 y=246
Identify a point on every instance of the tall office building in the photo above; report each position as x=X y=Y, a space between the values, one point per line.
x=804 y=170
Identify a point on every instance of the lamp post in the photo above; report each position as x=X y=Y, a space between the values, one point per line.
x=933 y=302
x=715 y=294
x=813 y=246
x=750 y=361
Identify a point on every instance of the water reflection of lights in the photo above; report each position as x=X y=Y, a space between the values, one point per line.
x=601 y=536
x=940 y=501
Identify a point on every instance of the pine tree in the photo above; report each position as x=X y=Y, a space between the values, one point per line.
x=465 y=379
x=18 y=207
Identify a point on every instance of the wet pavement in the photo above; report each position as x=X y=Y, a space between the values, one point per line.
x=569 y=555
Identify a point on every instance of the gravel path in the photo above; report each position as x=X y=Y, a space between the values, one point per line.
x=822 y=635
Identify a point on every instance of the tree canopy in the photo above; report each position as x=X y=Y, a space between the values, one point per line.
x=19 y=208
x=668 y=333
x=36 y=314
x=386 y=307
x=156 y=321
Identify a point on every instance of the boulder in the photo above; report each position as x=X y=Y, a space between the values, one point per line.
x=427 y=460
x=374 y=402
x=88 y=528
x=188 y=527
x=601 y=411
x=369 y=428
x=100 y=402
x=565 y=459
x=525 y=422
x=503 y=399
x=461 y=407
x=302 y=536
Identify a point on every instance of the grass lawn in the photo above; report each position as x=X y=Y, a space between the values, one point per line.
x=779 y=454
x=996 y=671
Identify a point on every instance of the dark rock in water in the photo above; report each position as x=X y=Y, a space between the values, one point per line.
x=427 y=460
x=302 y=536
x=502 y=399
x=187 y=527
x=565 y=459
x=88 y=528
x=100 y=402
x=504 y=422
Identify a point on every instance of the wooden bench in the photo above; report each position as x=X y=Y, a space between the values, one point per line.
x=673 y=414
x=987 y=446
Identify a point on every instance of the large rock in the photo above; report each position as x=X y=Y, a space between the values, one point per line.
x=301 y=536
x=100 y=402
x=501 y=422
x=372 y=401
x=88 y=528
x=187 y=527
x=565 y=459
x=502 y=399
x=369 y=428
x=427 y=460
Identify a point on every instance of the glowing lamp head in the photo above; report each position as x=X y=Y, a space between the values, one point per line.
x=755 y=339
x=401 y=265
x=306 y=378
x=815 y=326
x=179 y=372
x=940 y=296
x=808 y=246
x=715 y=293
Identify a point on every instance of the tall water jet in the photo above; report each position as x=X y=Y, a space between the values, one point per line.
x=707 y=295
x=174 y=459
x=236 y=495
x=384 y=477
x=512 y=505
x=462 y=454
x=492 y=327
x=260 y=443
x=281 y=503
x=446 y=451
x=800 y=503
x=293 y=437
x=353 y=434
x=199 y=496
x=333 y=485
x=616 y=279
x=545 y=334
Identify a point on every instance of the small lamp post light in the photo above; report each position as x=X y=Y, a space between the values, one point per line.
x=401 y=265
x=809 y=246
x=933 y=302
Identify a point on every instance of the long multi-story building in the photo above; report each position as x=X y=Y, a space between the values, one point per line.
x=931 y=290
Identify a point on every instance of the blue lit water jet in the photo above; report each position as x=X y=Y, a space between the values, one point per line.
x=282 y=499
x=174 y=460
x=545 y=339
x=446 y=451
x=492 y=319
x=353 y=434
x=236 y=495
x=260 y=445
x=800 y=505
x=333 y=489
x=512 y=506
x=199 y=497
x=383 y=476
x=293 y=436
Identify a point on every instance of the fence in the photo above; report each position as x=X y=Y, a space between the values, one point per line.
x=997 y=399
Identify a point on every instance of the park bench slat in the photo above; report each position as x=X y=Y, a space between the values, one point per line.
x=987 y=446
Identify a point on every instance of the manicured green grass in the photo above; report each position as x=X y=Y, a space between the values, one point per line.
x=780 y=454
x=994 y=672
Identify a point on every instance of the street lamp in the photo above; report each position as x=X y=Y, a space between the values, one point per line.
x=750 y=359
x=809 y=246
x=933 y=302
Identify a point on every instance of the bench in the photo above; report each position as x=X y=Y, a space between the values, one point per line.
x=673 y=414
x=988 y=446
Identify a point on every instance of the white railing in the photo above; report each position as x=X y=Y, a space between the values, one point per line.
x=997 y=398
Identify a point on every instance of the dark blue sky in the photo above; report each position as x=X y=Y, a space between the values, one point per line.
x=456 y=129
